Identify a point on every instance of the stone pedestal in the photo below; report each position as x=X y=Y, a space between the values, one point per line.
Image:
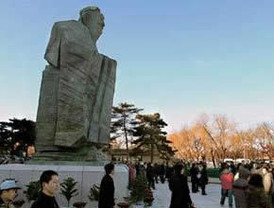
x=86 y=176
x=87 y=155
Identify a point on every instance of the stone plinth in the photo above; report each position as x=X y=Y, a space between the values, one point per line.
x=86 y=176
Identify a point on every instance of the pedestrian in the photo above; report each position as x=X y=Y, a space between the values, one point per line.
x=203 y=179
x=256 y=197
x=226 y=178
x=194 y=179
x=236 y=176
x=137 y=168
x=232 y=168
x=180 y=196
x=106 y=195
x=50 y=184
x=240 y=187
x=169 y=171
x=162 y=172
x=267 y=181
x=156 y=169
x=8 y=192
x=150 y=175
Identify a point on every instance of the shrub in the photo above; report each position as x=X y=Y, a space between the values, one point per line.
x=68 y=188
x=138 y=189
x=32 y=190
x=94 y=192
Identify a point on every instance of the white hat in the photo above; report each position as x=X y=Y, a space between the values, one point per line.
x=8 y=184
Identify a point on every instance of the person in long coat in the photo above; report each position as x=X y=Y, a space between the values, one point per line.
x=194 y=179
x=256 y=197
x=239 y=188
x=180 y=197
x=106 y=195
x=203 y=179
x=150 y=173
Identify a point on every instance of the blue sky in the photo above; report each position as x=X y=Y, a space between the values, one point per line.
x=180 y=58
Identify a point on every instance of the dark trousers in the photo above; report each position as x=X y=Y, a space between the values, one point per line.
x=194 y=186
x=227 y=193
x=162 y=178
x=156 y=178
x=151 y=183
x=203 y=188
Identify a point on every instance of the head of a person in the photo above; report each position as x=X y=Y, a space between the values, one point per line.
x=265 y=168
x=8 y=190
x=179 y=169
x=49 y=182
x=243 y=173
x=109 y=169
x=256 y=180
x=94 y=20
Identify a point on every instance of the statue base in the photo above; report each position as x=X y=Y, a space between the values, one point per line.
x=86 y=155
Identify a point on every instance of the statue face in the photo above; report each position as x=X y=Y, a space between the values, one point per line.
x=95 y=23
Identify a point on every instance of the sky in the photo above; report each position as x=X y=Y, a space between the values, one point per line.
x=180 y=58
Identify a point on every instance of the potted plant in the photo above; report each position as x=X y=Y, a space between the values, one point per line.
x=148 y=196
x=18 y=203
x=139 y=185
x=68 y=189
x=148 y=200
x=94 y=194
x=32 y=190
x=123 y=204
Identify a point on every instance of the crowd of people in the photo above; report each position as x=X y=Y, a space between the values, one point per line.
x=251 y=186
x=248 y=186
x=176 y=177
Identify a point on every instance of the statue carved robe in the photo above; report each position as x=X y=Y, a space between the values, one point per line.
x=77 y=90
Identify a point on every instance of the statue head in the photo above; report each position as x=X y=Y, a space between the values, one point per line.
x=92 y=18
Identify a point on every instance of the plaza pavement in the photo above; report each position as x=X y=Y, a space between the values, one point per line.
x=162 y=197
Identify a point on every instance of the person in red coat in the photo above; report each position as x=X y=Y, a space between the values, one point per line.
x=227 y=179
x=106 y=195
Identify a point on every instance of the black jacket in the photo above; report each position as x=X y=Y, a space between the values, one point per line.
x=180 y=197
x=193 y=173
x=106 y=195
x=45 y=201
x=204 y=177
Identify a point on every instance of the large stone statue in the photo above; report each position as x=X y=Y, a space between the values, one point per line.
x=76 y=92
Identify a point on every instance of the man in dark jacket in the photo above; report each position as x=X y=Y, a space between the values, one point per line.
x=180 y=197
x=150 y=173
x=194 y=179
x=50 y=184
x=162 y=173
x=203 y=179
x=106 y=195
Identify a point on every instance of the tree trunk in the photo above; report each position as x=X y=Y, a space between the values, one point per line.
x=213 y=158
x=125 y=133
